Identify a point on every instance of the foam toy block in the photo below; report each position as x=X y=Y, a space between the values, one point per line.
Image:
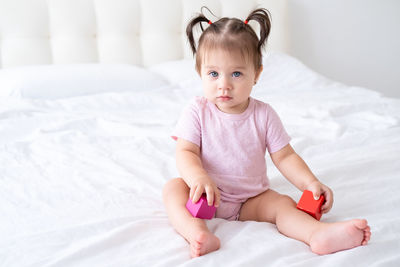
x=308 y=204
x=201 y=209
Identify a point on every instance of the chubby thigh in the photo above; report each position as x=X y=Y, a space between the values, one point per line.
x=264 y=207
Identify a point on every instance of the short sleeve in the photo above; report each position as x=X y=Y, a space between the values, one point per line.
x=276 y=137
x=188 y=126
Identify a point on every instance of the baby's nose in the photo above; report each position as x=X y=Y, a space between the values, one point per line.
x=224 y=83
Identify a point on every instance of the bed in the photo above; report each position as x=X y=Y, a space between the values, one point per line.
x=85 y=144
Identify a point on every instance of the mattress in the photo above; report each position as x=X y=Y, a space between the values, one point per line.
x=84 y=161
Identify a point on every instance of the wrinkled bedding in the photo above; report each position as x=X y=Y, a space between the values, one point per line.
x=81 y=176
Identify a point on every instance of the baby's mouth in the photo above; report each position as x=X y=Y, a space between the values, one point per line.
x=224 y=98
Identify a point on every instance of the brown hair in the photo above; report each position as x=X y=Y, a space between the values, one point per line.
x=231 y=34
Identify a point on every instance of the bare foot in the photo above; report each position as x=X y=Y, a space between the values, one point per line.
x=203 y=243
x=338 y=236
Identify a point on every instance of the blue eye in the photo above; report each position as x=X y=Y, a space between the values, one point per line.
x=236 y=74
x=213 y=74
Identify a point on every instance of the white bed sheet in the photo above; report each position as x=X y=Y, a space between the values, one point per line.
x=81 y=177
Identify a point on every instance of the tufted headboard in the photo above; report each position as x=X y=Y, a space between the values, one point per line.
x=140 y=32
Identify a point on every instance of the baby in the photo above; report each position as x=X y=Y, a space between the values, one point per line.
x=222 y=139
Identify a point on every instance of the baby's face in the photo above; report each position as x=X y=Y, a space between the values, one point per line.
x=228 y=80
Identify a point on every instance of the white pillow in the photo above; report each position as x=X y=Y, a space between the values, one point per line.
x=57 y=81
x=178 y=71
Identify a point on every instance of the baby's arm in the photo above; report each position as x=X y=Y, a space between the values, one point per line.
x=293 y=167
x=191 y=169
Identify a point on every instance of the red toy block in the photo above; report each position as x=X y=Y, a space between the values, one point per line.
x=308 y=204
x=201 y=209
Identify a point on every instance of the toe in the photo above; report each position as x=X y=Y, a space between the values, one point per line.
x=201 y=238
x=194 y=250
x=193 y=254
x=367 y=237
x=361 y=223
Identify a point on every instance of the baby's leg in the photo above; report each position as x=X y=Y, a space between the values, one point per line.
x=194 y=230
x=323 y=238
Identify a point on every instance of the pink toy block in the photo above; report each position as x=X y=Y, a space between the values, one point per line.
x=201 y=209
x=308 y=204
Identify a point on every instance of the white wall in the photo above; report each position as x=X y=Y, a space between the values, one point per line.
x=356 y=42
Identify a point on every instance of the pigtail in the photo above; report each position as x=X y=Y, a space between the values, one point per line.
x=189 y=30
x=263 y=17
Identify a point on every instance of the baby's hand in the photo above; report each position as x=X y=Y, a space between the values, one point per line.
x=319 y=189
x=205 y=185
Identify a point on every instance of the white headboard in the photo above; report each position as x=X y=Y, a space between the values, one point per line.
x=112 y=31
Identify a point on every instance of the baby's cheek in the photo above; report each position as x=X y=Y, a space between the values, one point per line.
x=210 y=97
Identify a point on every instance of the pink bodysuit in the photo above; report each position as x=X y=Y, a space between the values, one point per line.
x=233 y=147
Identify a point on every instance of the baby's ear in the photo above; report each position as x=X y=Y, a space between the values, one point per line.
x=258 y=72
